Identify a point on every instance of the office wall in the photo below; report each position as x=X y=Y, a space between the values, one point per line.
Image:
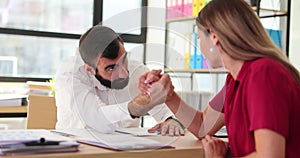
x=295 y=34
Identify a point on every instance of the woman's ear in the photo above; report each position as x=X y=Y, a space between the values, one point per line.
x=89 y=69
x=214 y=38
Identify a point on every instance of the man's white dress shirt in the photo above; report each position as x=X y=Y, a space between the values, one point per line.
x=82 y=102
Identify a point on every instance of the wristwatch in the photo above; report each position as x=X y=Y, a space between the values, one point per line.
x=133 y=117
x=175 y=119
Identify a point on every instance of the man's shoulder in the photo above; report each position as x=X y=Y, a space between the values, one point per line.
x=70 y=64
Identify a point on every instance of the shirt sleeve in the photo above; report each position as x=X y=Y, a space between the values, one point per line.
x=76 y=93
x=161 y=112
x=268 y=100
x=217 y=102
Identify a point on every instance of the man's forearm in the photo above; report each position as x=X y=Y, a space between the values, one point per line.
x=139 y=105
x=145 y=102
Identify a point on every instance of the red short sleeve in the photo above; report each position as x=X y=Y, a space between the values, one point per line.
x=217 y=103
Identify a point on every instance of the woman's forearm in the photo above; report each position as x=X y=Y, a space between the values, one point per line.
x=187 y=115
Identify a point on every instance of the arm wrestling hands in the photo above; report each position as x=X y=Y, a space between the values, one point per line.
x=155 y=88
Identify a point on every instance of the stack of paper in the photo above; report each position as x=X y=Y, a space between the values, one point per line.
x=34 y=141
x=39 y=88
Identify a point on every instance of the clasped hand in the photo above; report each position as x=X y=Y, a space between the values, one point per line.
x=159 y=87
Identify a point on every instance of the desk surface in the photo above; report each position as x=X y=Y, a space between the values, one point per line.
x=186 y=146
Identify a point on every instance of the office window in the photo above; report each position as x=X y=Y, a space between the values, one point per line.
x=36 y=56
x=114 y=16
x=135 y=51
x=67 y=16
x=36 y=35
x=8 y=65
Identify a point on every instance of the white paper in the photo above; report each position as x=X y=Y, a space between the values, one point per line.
x=116 y=141
x=136 y=131
x=222 y=132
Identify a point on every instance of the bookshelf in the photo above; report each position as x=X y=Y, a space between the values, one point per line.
x=167 y=70
x=192 y=72
x=262 y=12
x=267 y=13
x=181 y=29
x=177 y=28
x=279 y=9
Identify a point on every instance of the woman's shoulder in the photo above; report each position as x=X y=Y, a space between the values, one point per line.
x=267 y=64
x=270 y=69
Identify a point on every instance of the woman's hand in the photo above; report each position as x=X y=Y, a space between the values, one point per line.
x=161 y=89
x=147 y=79
x=150 y=81
x=214 y=148
x=155 y=89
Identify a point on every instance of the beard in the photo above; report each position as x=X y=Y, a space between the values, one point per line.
x=119 y=83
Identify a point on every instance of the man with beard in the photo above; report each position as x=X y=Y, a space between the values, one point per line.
x=97 y=88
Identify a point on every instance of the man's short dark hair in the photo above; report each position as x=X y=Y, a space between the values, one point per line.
x=111 y=51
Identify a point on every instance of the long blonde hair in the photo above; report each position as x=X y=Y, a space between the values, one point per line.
x=240 y=32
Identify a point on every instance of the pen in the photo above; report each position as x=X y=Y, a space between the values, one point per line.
x=41 y=142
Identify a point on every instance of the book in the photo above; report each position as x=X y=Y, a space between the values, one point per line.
x=276 y=36
x=13 y=100
x=187 y=51
x=193 y=50
x=195 y=8
x=39 y=88
x=187 y=8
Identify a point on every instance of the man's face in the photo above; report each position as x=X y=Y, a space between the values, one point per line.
x=113 y=73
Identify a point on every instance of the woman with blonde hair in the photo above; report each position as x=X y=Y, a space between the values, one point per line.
x=260 y=102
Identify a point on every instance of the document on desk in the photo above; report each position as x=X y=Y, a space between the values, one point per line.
x=34 y=141
x=136 y=131
x=116 y=141
x=11 y=136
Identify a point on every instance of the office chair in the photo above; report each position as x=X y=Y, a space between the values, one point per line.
x=41 y=112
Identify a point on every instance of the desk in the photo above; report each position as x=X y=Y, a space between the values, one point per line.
x=13 y=111
x=187 y=146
